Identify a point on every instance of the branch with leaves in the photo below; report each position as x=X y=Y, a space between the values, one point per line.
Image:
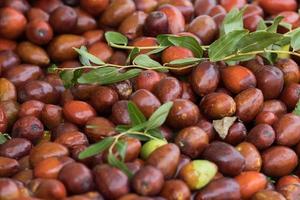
x=140 y=128
x=234 y=45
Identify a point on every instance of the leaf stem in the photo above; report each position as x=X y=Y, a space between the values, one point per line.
x=132 y=47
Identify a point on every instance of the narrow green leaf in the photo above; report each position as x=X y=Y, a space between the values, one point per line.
x=189 y=43
x=96 y=148
x=163 y=39
x=186 y=61
x=52 y=68
x=135 y=114
x=138 y=127
x=86 y=56
x=3 y=138
x=155 y=51
x=132 y=54
x=261 y=25
x=274 y=26
x=233 y=21
x=139 y=137
x=121 y=147
x=116 y=38
x=295 y=40
x=257 y=41
x=146 y=61
x=122 y=128
x=67 y=78
x=156 y=133
x=225 y=45
x=113 y=161
x=107 y=75
x=297 y=109
x=159 y=116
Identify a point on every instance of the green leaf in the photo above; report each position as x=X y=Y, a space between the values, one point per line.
x=139 y=137
x=132 y=54
x=107 y=75
x=257 y=41
x=146 y=61
x=96 y=148
x=274 y=26
x=67 y=78
x=156 y=133
x=297 y=109
x=3 y=138
x=122 y=128
x=52 y=68
x=121 y=147
x=86 y=57
x=138 y=127
x=116 y=38
x=189 y=43
x=159 y=116
x=225 y=45
x=186 y=61
x=113 y=161
x=135 y=114
x=295 y=40
x=233 y=21
x=163 y=40
x=261 y=25
x=155 y=51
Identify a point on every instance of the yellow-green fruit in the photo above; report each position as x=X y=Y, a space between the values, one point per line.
x=198 y=173
x=150 y=146
x=284 y=55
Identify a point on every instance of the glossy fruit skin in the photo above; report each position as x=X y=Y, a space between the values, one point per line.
x=115 y=12
x=291 y=191
x=290 y=95
x=290 y=69
x=175 y=18
x=104 y=128
x=236 y=133
x=262 y=136
x=192 y=141
x=270 y=81
x=28 y=127
x=287 y=130
x=238 y=78
x=198 y=173
x=8 y=189
x=132 y=26
x=230 y=4
x=63 y=19
x=156 y=23
x=175 y=189
x=229 y=161
x=85 y=22
x=7 y=90
x=250 y=183
x=266 y=117
x=15 y=148
x=8 y=166
x=217 y=105
x=220 y=188
x=279 y=161
x=205 y=78
x=150 y=146
x=8 y=59
x=203 y=7
x=183 y=113
x=248 y=104
x=286 y=180
x=94 y=7
x=204 y=27
x=265 y=194
x=167 y=89
x=50 y=189
x=76 y=177
x=103 y=98
x=61 y=47
x=147 y=79
x=165 y=158
x=148 y=181
x=12 y=23
x=253 y=161
x=78 y=112
x=145 y=101
x=106 y=177
x=275 y=7
x=3 y=120
x=72 y=139
x=37 y=55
